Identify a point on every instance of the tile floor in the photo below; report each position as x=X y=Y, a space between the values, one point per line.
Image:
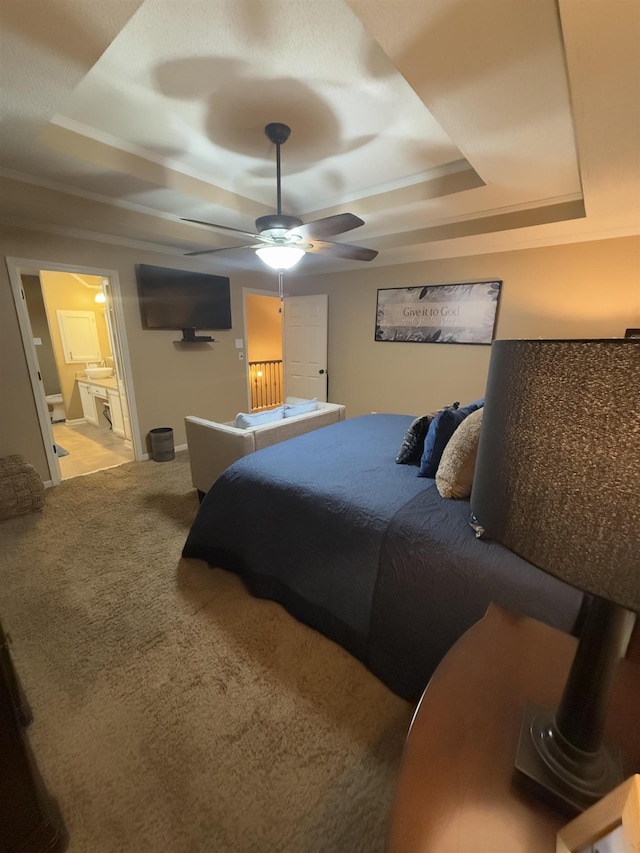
x=91 y=448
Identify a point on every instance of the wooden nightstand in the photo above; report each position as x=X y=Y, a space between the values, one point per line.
x=456 y=791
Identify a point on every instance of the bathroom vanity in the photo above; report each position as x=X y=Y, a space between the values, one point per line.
x=94 y=394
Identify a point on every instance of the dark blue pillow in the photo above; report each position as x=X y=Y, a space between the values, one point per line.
x=440 y=431
x=413 y=442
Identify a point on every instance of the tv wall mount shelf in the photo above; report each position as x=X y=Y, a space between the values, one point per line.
x=189 y=337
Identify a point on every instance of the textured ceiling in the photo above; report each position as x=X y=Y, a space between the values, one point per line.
x=450 y=126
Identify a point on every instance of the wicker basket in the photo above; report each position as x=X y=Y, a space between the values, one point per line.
x=21 y=489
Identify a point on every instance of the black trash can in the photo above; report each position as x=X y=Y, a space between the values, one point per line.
x=162 y=449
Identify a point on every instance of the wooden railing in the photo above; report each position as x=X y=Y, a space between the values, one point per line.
x=265 y=379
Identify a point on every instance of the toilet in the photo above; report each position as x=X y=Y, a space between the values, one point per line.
x=56 y=408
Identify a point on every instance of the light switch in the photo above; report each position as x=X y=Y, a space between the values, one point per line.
x=239 y=343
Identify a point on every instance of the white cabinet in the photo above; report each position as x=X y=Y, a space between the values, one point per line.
x=93 y=398
x=100 y=400
x=87 y=398
x=115 y=408
x=79 y=336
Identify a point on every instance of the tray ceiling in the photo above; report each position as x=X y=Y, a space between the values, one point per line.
x=451 y=126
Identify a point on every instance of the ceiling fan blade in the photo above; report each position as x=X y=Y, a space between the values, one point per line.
x=223 y=249
x=281 y=230
x=342 y=250
x=221 y=227
x=328 y=226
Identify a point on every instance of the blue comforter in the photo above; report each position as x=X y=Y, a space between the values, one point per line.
x=364 y=550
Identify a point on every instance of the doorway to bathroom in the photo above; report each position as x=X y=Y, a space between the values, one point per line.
x=74 y=340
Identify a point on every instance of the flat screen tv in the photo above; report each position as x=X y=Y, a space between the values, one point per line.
x=180 y=299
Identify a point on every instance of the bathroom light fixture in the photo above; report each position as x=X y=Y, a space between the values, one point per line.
x=100 y=297
x=280 y=257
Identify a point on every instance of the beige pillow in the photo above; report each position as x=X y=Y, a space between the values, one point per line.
x=454 y=476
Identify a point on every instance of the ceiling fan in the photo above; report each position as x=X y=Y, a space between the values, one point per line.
x=283 y=240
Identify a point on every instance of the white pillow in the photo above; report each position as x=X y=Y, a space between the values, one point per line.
x=244 y=421
x=300 y=408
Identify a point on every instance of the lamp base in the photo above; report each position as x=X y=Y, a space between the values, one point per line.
x=564 y=776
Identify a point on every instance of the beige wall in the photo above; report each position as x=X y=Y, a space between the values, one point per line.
x=263 y=325
x=169 y=380
x=576 y=290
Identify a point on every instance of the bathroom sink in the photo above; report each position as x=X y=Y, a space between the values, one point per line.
x=98 y=372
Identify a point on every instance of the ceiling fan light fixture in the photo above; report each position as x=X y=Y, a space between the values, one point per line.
x=288 y=238
x=280 y=257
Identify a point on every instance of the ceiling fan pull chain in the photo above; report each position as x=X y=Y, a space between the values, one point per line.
x=280 y=286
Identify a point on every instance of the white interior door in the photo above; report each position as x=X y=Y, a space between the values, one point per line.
x=305 y=346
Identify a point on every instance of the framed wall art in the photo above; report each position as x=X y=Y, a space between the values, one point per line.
x=438 y=313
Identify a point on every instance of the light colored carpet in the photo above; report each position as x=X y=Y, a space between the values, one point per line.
x=173 y=711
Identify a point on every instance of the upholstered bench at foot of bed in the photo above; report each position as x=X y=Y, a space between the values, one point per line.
x=214 y=446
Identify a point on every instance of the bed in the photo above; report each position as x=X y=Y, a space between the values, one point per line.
x=365 y=551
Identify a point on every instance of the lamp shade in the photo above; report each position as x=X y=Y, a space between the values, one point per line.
x=557 y=477
x=280 y=257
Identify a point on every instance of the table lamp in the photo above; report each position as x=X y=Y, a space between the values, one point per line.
x=557 y=481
